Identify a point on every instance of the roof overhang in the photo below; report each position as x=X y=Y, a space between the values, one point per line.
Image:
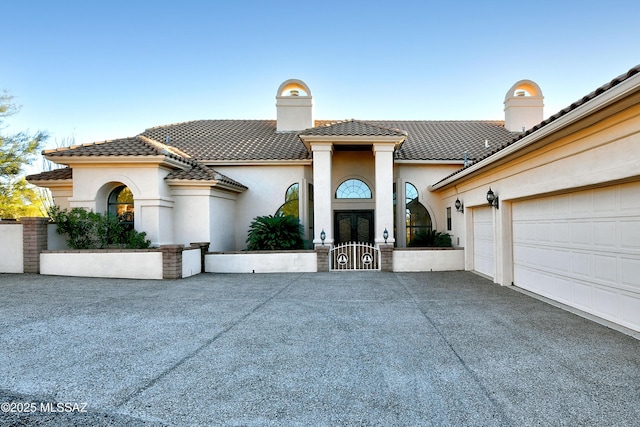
x=157 y=160
x=621 y=94
x=302 y=162
x=211 y=183
x=355 y=140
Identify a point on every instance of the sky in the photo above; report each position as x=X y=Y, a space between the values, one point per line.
x=98 y=70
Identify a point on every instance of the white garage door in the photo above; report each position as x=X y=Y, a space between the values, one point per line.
x=483 y=251
x=582 y=249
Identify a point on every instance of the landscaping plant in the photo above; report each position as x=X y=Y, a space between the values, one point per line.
x=90 y=230
x=275 y=232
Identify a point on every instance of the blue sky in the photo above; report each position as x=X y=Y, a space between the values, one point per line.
x=109 y=69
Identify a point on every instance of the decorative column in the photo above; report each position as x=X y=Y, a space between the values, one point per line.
x=384 y=192
x=322 y=194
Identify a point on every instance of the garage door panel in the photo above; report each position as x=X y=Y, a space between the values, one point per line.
x=483 y=243
x=631 y=272
x=605 y=268
x=630 y=234
x=584 y=251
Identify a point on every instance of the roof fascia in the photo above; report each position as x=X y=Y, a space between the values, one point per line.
x=158 y=160
x=50 y=183
x=204 y=183
x=430 y=162
x=306 y=162
x=352 y=139
x=617 y=93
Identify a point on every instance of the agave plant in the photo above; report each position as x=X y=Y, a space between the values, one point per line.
x=275 y=232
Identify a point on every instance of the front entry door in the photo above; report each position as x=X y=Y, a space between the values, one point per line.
x=353 y=226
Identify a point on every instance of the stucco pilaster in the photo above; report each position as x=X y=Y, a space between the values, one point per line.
x=384 y=192
x=322 y=215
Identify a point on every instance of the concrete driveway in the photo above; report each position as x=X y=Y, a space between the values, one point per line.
x=305 y=349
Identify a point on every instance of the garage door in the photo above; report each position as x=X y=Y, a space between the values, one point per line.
x=483 y=250
x=582 y=249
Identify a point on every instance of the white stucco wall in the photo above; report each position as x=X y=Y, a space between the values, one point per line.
x=130 y=265
x=589 y=154
x=152 y=199
x=190 y=262
x=266 y=193
x=11 y=248
x=428 y=260
x=223 y=208
x=422 y=176
x=258 y=262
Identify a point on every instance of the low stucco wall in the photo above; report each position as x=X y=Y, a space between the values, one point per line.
x=133 y=264
x=191 y=264
x=261 y=262
x=428 y=259
x=11 y=248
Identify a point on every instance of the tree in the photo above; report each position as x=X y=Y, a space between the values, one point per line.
x=17 y=198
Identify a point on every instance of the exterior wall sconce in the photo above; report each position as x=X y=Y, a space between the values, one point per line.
x=385 y=235
x=492 y=199
x=459 y=205
x=323 y=236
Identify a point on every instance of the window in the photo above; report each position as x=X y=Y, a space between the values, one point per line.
x=291 y=203
x=120 y=204
x=418 y=219
x=353 y=189
x=449 y=219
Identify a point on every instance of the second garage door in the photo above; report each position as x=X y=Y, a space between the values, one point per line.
x=582 y=249
x=483 y=244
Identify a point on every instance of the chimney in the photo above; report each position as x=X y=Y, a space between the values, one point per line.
x=523 y=106
x=295 y=109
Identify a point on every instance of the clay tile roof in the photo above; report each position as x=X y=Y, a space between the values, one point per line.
x=201 y=172
x=133 y=146
x=447 y=139
x=231 y=140
x=518 y=136
x=56 y=174
x=353 y=128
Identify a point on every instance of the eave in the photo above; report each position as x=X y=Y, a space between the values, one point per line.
x=308 y=140
x=156 y=160
x=204 y=184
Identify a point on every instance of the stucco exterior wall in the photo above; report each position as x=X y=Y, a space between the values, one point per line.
x=152 y=199
x=11 y=248
x=421 y=176
x=266 y=193
x=223 y=210
x=589 y=153
x=262 y=262
x=131 y=265
x=191 y=262
x=428 y=260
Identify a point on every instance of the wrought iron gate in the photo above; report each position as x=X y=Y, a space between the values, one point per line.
x=354 y=256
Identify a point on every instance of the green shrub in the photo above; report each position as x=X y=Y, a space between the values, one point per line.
x=90 y=230
x=279 y=232
x=430 y=238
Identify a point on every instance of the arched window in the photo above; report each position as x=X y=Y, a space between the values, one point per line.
x=120 y=204
x=353 y=189
x=291 y=201
x=417 y=218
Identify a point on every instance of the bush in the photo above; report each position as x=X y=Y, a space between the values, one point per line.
x=431 y=238
x=279 y=232
x=91 y=230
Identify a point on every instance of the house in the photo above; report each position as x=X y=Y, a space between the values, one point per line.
x=564 y=217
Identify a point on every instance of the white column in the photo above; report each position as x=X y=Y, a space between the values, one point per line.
x=322 y=194
x=384 y=191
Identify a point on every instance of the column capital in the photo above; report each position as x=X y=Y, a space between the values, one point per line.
x=322 y=146
x=384 y=147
